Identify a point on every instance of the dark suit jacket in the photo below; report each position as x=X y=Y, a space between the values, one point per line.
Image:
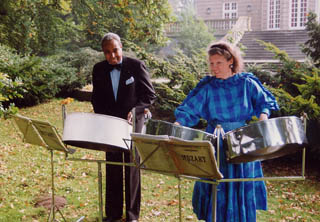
x=135 y=89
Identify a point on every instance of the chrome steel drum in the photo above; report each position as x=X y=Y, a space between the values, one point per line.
x=96 y=131
x=265 y=139
x=159 y=127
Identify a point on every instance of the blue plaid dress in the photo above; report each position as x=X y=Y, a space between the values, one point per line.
x=230 y=103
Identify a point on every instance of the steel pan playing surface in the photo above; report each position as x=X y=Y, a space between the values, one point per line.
x=96 y=131
x=159 y=127
x=266 y=139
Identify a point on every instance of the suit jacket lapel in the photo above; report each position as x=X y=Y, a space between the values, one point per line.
x=123 y=77
x=109 y=88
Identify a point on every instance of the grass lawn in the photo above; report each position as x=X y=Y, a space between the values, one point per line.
x=25 y=175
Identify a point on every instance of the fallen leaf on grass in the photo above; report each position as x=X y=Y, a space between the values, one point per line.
x=173 y=203
x=149 y=203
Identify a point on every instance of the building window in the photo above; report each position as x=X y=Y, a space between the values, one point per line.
x=274 y=14
x=298 y=12
x=230 y=11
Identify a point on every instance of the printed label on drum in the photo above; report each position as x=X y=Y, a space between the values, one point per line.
x=178 y=157
x=194 y=158
x=190 y=158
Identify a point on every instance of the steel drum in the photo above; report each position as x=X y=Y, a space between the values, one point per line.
x=178 y=150
x=96 y=131
x=159 y=127
x=264 y=140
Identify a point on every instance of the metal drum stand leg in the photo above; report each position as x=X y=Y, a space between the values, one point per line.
x=179 y=191
x=214 y=201
x=218 y=132
x=100 y=192
x=53 y=206
x=304 y=118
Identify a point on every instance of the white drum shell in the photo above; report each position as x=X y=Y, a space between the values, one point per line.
x=96 y=131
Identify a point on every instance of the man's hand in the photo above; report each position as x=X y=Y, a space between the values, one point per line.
x=129 y=117
x=147 y=115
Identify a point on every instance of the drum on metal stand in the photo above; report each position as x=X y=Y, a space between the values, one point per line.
x=96 y=131
x=159 y=127
x=265 y=139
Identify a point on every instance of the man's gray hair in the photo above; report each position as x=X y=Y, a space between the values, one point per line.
x=110 y=36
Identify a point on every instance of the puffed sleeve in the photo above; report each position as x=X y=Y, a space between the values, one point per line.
x=191 y=109
x=262 y=99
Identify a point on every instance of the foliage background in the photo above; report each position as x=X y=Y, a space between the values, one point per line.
x=42 y=26
x=47 y=50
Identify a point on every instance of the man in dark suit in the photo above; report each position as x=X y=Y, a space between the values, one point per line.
x=120 y=84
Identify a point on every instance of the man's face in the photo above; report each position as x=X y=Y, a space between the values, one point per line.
x=112 y=50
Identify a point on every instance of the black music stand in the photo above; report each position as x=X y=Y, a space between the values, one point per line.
x=43 y=134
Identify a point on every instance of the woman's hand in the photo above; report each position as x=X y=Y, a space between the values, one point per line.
x=177 y=123
x=263 y=116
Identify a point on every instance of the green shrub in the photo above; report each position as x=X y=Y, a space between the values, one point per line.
x=312 y=45
x=298 y=85
x=288 y=71
x=182 y=73
x=311 y=86
x=5 y=88
x=81 y=62
x=9 y=88
x=38 y=79
x=295 y=106
x=265 y=76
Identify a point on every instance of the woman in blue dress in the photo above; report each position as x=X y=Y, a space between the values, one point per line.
x=228 y=97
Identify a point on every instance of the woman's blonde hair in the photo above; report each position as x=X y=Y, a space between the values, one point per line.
x=229 y=52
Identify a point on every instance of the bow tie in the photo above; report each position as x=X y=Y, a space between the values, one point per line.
x=117 y=66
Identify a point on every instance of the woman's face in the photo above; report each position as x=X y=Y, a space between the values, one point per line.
x=220 y=66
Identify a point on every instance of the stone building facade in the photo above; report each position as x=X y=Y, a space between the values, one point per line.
x=265 y=14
